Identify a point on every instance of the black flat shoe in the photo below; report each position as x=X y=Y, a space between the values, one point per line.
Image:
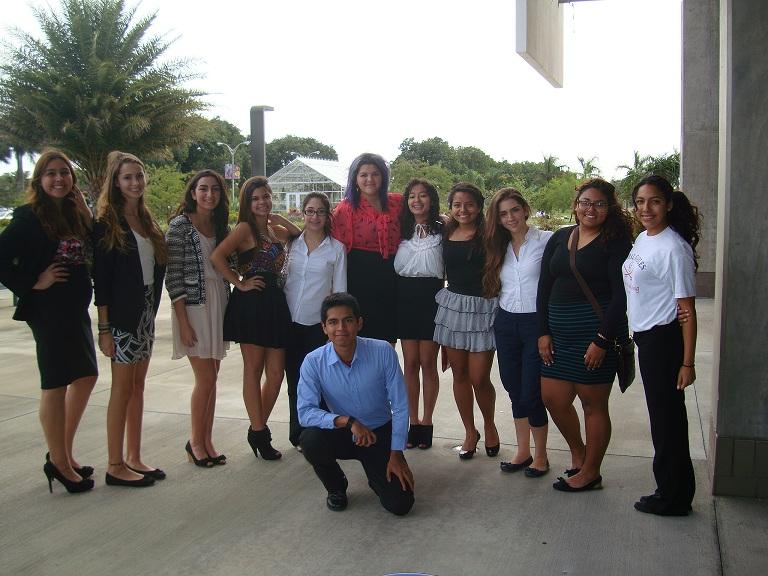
x=52 y=473
x=138 y=483
x=572 y=471
x=532 y=472
x=563 y=486
x=468 y=454
x=155 y=473
x=512 y=467
x=425 y=440
x=201 y=462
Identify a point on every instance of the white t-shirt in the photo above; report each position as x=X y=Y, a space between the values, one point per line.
x=146 y=256
x=520 y=274
x=658 y=271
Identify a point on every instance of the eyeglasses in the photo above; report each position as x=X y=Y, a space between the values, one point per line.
x=312 y=212
x=586 y=204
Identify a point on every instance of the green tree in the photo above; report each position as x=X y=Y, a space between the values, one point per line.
x=404 y=170
x=282 y=151
x=205 y=153
x=94 y=83
x=433 y=151
x=556 y=196
x=165 y=189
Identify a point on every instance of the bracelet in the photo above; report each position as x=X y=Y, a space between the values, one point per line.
x=350 y=420
x=104 y=326
x=689 y=365
x=104 y=332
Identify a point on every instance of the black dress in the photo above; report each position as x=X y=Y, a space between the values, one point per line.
x=57 y=316
x=259 y=317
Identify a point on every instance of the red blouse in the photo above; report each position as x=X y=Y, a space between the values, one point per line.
x=367 y=229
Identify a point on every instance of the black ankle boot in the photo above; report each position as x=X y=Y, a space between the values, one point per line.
x=260 y=441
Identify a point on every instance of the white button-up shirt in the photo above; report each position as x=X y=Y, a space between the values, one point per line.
x=520 y=274
x=313 y=276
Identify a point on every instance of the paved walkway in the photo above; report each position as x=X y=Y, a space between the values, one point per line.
x=257 y=517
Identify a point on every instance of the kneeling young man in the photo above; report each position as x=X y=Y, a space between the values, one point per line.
x=353 y=405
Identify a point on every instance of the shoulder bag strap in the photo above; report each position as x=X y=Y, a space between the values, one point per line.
x=579 y=277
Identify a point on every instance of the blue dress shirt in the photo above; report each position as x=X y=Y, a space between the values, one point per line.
x=372 y=389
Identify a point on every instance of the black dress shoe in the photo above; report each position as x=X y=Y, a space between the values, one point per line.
x=512 y=467
x=155 y=474
x=468 y=454
x=657 y=506
x=138 y=483
x=337 y=499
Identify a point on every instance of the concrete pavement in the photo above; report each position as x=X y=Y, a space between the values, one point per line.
x=269 y=518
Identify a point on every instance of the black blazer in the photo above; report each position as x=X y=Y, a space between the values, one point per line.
x=118 y=281
x=25 y=251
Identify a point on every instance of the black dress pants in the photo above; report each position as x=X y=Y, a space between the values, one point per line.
x=322 y=448
x=660 y=351
x=302 y=341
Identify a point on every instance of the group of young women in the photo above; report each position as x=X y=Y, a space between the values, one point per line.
x=509 y=286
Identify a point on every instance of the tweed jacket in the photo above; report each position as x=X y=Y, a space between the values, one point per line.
x=186 y=269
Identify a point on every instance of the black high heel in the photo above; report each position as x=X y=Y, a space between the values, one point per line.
x=219 y=460
x=202 y=462
x=260 y=442
x=72 y=486
x=82 y=471
x=468 y=454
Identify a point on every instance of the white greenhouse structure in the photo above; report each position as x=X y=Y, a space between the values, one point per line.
x=304 y=175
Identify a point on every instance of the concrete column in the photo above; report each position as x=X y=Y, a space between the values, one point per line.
x=699 y=153
x=258 y=145
x=740 y=359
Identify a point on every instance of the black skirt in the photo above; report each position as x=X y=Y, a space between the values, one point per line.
x=416 y=307
x=61 y=326
x=259 y=317
x=372 y=280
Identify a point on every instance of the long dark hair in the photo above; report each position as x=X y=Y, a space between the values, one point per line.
x=58 y=220
x=683 y=217
x=245 y=214
x=497 y=238
x=408 y=222
x=477 y=196
x=352 y=192
x=111 y=210
x=326 y=204
x=220 y=213
x=618 y=222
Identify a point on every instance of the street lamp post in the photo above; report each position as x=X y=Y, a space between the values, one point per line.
x=232 y=153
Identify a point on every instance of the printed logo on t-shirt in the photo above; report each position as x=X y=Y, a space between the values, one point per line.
x=632 y=262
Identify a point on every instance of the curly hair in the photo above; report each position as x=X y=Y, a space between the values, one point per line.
x=684 y=217
x=497 y=238
x=111 y=210
x=408 y=222
x=618 y=222
x=220 y=213
x=59 y=220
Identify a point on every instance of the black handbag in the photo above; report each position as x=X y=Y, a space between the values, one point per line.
x=625 y=367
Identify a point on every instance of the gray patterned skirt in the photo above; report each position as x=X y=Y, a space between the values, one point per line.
x=465 y=322
x=131 y=348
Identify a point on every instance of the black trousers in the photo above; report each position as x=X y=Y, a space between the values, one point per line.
x=302 y=341
x=322 y=448
x=660 y=351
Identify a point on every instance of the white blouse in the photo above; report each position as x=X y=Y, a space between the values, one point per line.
x=520 y=274
x=312 y=276
x=420 y=257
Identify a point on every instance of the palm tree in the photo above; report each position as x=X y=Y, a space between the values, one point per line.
x=551 y=168
x=93 y=84
x=588 y=167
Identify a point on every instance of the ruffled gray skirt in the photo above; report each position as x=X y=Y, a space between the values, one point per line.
x=465 y=322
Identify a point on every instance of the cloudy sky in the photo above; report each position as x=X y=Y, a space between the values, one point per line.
x=363 y=75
